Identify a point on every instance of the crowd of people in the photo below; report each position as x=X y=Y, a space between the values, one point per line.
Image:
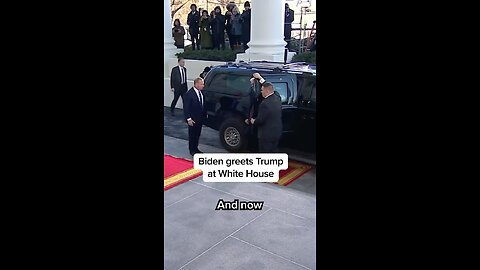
x=207 y=30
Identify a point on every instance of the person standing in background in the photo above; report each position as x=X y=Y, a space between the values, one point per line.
x=287 y=31
x=228 y=26
x=218 y=29
x=245 y=20
x=205 y=31
x=236 y=28
x=195 y=113
x=204 y=72
x=193 y=20
x=231 y=5
x=178 y=83
x=178 y=33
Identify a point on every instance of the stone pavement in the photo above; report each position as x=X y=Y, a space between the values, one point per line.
x=280 y=236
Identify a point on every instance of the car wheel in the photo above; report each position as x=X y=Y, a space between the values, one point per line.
x=232 y=135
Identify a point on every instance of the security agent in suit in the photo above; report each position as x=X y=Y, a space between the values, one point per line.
x=195 y=114
x=178 y=83
x=269 y=118
x=287 y=29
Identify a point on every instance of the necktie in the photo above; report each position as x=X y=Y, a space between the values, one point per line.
x=181 y=74
x=201 y=99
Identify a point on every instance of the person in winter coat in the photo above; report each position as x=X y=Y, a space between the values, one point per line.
x=245 y=20
x=218 y=29
x=178 y=33
x=228 y=26
x=193 y=20
x=236 y=27
x=205 y=31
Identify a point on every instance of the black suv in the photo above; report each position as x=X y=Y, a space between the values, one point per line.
x=230 y=98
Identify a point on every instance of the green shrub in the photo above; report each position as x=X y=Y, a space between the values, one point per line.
x=308 y=57
x=226 y=55
x=295 y=44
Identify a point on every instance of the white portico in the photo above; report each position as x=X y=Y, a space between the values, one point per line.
x=266 y=33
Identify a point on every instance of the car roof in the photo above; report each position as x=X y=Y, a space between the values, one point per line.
x=272 y=67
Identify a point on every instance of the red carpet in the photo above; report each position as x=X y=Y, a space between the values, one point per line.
x=179 y=170
x=294 y=171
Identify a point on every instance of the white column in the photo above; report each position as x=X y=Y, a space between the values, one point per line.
x=266 y=33
x=168 y=43
x=169 y=51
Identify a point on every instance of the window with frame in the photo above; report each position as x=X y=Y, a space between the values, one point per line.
x=282 y=89
x=231 y=84
x=306 y=86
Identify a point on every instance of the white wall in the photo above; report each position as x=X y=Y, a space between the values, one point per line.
x=194 y=68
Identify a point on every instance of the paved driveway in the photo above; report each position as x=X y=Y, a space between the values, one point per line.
x=280 y=236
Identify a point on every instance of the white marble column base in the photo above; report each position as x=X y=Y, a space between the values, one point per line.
x=247 y=57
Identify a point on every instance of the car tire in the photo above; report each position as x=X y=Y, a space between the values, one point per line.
x=232 y=135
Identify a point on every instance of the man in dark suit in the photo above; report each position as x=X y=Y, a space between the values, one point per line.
x=269 y=118
x=193 y=20
x=178 y=83
x=195 y=114
x=287 y=30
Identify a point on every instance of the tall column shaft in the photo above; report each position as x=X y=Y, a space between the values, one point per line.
x=168 y=43
x=266 y=33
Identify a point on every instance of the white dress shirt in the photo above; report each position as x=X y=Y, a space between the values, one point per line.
x=182 y=74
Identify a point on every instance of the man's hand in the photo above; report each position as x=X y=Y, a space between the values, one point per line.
x=173 y=89
x=257 y=76
x=252 y=121
x=247 y=121
x=191 y=122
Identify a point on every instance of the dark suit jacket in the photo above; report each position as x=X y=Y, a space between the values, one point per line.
x=176 y=79
x=269 y=119
x=289 y=18
x=192 y=107
x=193 y=22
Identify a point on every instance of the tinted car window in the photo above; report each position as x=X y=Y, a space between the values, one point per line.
x=305 y=88
x=231 y=84
x=282 y=89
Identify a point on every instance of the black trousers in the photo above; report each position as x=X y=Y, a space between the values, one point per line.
x=195 y=40
x=287 y=37
x=194 y=137
x=235 y=40
x=176 y=95
x=268 y=146
x=219 y=41
x=245 y=40
x=230 y=41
